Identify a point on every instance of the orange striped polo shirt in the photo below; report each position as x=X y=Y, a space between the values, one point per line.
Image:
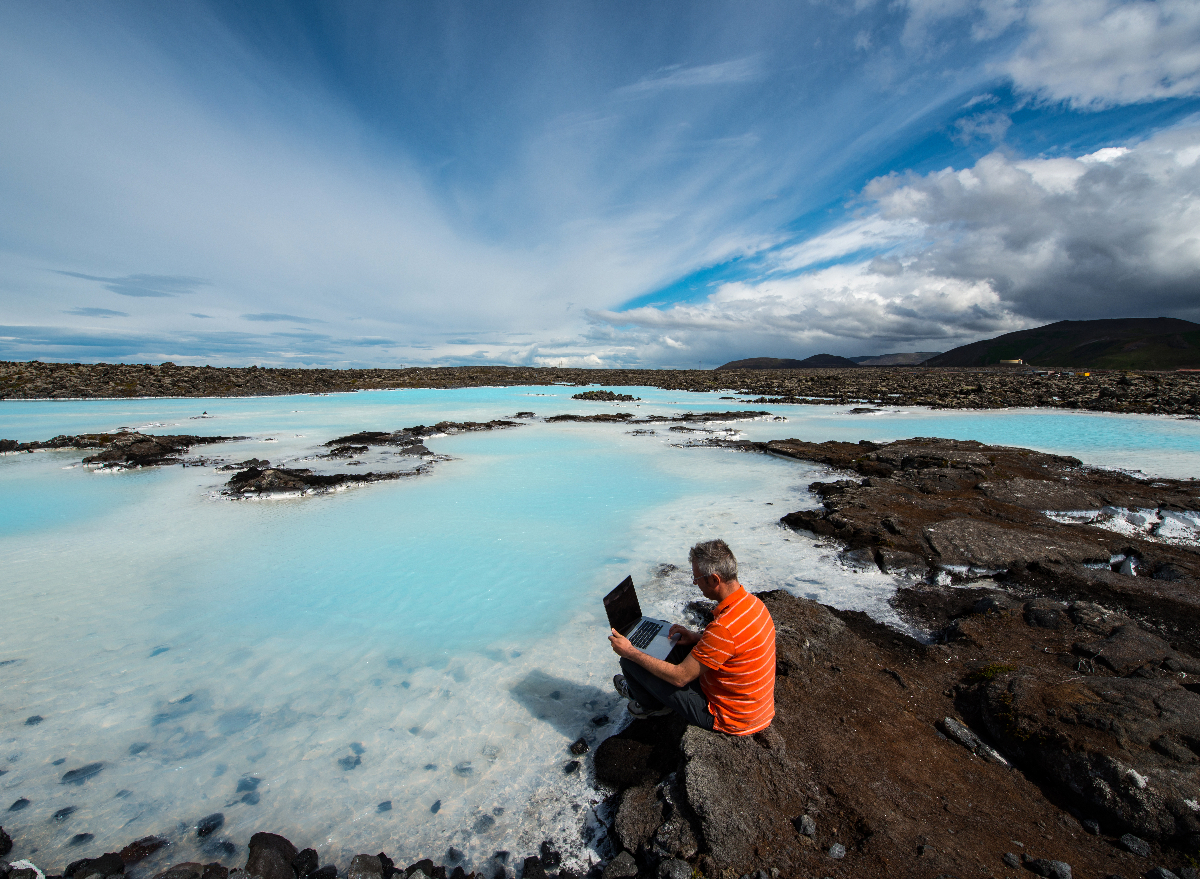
x=737 y=658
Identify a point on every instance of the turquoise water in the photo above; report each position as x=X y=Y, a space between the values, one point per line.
x=451 y=620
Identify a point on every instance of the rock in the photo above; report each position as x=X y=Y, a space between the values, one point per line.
x=1135 y=845
x=837 y=851
x=1160 y=873
x=305 y=863
x=859 y=559
x=1011 y=860
x=34 y=720
x=188 y=870
x=106 y=865
x=1049 y=869
x=639 y=815
x=82 y=774
x=673 y=868
x=365 y=867
x=622 y=762
x=806 y=825
x=1046 y=613
x=1092 y=827
x=964 y=541
x=623 y=866
x=18 y=805
x=736 y=788
x=549 y=857
x=961 y=734
x=579 y=746
x=209 y=824
x=1040 y=494
x=141 y=849
x=271 y=857
x=329 y=871
x=902 y=564
x=532 y=869
x=1128 y=648
x=5 y=843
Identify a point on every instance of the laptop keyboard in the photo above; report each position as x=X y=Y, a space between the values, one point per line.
x=644 y=634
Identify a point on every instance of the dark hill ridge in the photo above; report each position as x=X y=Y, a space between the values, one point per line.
x=817 y=361
x=1124 y=343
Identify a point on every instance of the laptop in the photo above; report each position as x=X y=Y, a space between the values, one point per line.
x=625 y=615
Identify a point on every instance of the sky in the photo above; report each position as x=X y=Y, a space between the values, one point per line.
x=608 y=183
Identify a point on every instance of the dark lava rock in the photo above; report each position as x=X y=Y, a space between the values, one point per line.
x=209 y=824
x=1135 y=845
x=271 y=857
x=34 y=720
x=579 y=746
x=5 y=843
x=1048 y=868
x=605 y=396
x=532 y=868
x=142 y=848
x=329 y=871
x=365 y=867
x=571 y=767
x=248 y=783
x=623 y=866
x=305 y=863
x=110 y=864
x=549 y=856
x=64 y=813
x=18 y=805
x=385 y=806
x=436 y=807
x=82 y=774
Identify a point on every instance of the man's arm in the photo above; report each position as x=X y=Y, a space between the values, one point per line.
x=677 y=675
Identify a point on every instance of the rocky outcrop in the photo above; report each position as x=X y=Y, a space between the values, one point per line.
x=982 y=388
x=259 y=482
x=956 y=510
x=124 y=449
x=605 y=397
x=891 y=757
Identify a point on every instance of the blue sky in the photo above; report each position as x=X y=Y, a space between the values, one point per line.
x=606 y=184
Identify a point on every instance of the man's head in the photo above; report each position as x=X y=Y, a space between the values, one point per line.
x=713 y=558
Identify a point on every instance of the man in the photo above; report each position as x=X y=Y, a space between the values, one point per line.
x=727 y=682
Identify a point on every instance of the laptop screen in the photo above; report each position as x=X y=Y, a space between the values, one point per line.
x=622 y=606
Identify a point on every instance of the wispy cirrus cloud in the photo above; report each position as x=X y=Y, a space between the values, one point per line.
x=678 y=76
x=275 y=317
x=145 y=286
x=95 y=312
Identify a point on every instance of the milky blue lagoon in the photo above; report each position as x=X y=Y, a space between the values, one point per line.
x=435 y=640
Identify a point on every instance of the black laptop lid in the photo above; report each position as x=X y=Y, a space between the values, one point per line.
x=622 y=606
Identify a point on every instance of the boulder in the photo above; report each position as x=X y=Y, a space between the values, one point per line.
x=271 y=857
x=1105 y=741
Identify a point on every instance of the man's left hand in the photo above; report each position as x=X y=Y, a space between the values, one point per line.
x=620 y=644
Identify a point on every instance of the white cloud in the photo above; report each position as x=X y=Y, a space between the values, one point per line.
x=975 y=252
x=1097 y=53
x=678 y=76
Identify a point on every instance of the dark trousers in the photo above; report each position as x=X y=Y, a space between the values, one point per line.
x=653 y=692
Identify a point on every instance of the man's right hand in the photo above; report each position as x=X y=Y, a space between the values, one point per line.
x=686 y=636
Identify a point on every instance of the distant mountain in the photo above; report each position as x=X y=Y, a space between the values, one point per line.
x=1124 y=343
x=817 y=361
x=911 y=359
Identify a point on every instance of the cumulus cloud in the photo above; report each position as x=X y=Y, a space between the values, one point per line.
x=1097 y=53
x=966 y=254
x=1089 y=53
x=1104 y=235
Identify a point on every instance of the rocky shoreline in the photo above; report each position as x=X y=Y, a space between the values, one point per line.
x=1164 y=393
x=1047 y=722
